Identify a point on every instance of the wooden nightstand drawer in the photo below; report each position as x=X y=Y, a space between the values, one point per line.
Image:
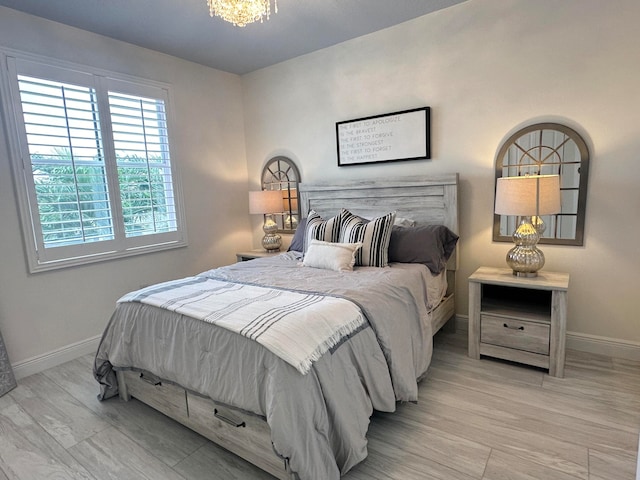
x=512 y=333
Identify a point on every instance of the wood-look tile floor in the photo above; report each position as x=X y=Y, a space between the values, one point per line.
x=476 y=420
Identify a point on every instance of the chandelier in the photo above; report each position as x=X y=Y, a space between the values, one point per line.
x=241 y=12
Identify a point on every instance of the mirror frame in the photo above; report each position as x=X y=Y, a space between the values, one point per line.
x=280 y=173
x=583 y=170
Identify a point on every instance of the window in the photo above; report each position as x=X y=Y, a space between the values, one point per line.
x=93 y=165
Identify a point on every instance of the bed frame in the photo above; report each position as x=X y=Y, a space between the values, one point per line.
x=431 y=200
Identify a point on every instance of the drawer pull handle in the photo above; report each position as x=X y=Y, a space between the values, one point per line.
x=513 y=328
x=155 y=381
x=230 y=419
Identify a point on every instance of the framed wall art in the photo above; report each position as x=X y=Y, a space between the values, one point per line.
x=390 y=137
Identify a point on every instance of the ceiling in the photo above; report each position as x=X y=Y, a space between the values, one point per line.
x=183 y=28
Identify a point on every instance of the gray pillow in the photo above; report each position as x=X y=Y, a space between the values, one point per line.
x=297 y=243
x=431 y=245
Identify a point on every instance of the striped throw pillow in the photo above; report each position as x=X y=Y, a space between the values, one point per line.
x=374 y=236
x=318 y=228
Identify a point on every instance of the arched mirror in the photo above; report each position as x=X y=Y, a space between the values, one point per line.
x=280 y=173
x=548 y=149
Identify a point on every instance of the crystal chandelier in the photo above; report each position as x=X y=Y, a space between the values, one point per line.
x=241 y=12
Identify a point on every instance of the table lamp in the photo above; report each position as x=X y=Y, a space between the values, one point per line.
x=267 y=202
x=528 y=197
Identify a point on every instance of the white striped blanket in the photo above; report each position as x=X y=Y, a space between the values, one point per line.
x=298 y=327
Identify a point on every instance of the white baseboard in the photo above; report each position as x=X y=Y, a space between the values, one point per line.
x=462 y=323
x=612 y=347
x=51 y=359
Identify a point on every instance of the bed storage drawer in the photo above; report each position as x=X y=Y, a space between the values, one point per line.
x=167 y=398
x=244 y=434
x=513 y=333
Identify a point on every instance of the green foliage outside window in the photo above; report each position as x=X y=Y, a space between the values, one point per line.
x=73 y=200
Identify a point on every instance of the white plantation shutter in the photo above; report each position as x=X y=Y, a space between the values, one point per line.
x=67 y=161
x=144 y=166
x=94 y=153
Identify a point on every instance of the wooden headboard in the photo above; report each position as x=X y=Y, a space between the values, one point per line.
x=427 y=200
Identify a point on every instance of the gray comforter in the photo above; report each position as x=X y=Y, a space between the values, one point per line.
x=318 y=420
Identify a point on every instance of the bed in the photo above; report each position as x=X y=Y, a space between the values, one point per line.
x=306 y=416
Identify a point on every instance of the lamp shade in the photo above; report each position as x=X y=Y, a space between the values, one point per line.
x=265 y=201
x=528 y=195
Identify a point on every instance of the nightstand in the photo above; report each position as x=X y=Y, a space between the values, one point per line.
x=251 y=254
x=519 y=319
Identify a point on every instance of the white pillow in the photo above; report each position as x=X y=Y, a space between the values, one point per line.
x=331 y=256
x=404 y=222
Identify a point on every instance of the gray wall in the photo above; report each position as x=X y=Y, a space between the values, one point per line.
x=486 y=67
x=67 y=309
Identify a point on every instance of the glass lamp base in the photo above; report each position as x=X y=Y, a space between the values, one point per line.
x=525 y=259
x=271 y=242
